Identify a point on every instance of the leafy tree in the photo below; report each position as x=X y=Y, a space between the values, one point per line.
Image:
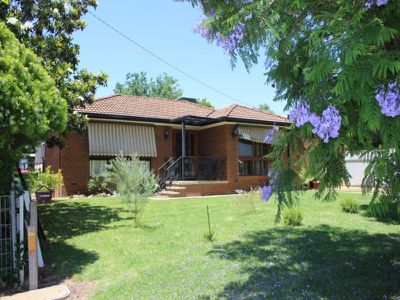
x=137 y=84
x=47 y=28
x=265 y=107
x=31 y=106
x=335 y=63
x=204 y=102
x=133 y=181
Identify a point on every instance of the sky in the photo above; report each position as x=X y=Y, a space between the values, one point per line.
x=165 y=27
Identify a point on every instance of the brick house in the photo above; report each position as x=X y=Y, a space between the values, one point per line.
x=195 y=150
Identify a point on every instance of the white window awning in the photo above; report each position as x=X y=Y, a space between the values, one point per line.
x=110 y=139
x=255 y=134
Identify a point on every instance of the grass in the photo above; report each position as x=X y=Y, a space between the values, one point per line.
x=332 y=255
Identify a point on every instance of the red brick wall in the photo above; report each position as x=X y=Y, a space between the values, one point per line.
x=73 y=161
x=164 y=147
x=219 y=141
x=75 y=164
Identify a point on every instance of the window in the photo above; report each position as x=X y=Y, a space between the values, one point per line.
x=252 y=159
x=99 y=166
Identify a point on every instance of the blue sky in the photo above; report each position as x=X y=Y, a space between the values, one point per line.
x=166 y=28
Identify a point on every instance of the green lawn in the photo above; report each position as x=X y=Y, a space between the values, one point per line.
x=333 y=255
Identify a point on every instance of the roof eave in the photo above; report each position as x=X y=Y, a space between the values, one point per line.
x=178 y=120
x=254 y=121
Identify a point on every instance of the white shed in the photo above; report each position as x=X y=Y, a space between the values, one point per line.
x=356 y=167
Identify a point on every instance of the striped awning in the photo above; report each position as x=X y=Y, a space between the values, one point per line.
x=255 y=134
x=109 y=139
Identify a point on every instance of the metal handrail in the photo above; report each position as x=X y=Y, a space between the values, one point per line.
x=168 y=172
x=171 y=159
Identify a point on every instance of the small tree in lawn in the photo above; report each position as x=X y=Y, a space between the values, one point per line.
x=133 y=181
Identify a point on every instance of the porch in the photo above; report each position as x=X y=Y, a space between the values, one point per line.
x=190 y=170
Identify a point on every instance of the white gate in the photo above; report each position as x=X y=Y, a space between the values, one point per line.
x=7 y=233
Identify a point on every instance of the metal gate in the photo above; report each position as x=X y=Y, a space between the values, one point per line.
x=6 y=235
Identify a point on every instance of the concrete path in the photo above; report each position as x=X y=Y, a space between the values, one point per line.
x=56 y=292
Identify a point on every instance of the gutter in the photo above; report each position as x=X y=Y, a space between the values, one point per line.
x=178 y=120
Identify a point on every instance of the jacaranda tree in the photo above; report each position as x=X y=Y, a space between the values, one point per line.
x=31 y=107
x=337 y=65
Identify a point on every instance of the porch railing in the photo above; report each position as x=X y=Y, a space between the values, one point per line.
x=192 y=168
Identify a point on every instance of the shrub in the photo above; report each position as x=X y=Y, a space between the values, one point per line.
x=349 y=205
x=98 y=183
x=133 y=181
x=47 y=179
x=292 y=217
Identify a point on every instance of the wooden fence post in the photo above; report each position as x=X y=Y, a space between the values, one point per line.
x=32 y=249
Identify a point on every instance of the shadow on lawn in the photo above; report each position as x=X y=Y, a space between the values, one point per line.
x=62 y=221
x=318 y=262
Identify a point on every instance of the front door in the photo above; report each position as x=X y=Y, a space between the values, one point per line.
x=189 y=145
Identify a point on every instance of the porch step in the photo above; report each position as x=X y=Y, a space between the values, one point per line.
x=176 y=188
x=170 y=193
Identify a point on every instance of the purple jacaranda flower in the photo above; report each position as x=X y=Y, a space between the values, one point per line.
x=300 y=114
x=370 y=3
x=266 y=192
x=389 y=100
x=328 y=125
x=381 y=2
x=248 y=17
x=270 y=136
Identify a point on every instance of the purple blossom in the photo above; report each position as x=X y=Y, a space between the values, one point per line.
x=370 y=3
x=271 y=133
x=381 y=2
x=228 y=42
x=300 y=114
x=266 y=192
x=389 y=100
x=328 y=125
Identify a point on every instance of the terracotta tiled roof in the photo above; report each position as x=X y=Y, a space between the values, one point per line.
x=148 y=107
x=243 y=112
x=145 y=107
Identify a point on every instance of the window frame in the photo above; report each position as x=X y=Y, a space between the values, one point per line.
x=253 y=159
x=109 y=158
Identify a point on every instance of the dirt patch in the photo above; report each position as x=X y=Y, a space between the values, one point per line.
x=80 y=290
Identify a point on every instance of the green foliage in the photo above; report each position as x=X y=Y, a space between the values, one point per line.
x=133 y=181
x=31 y=107
x=325 y=53
x=292 y=216
x=47 y=28
x=138 y=84
x=383 y=178
x=43 y=180
x=265 y=107
x=204 y=102
x=98 y=183
x=349 y=205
